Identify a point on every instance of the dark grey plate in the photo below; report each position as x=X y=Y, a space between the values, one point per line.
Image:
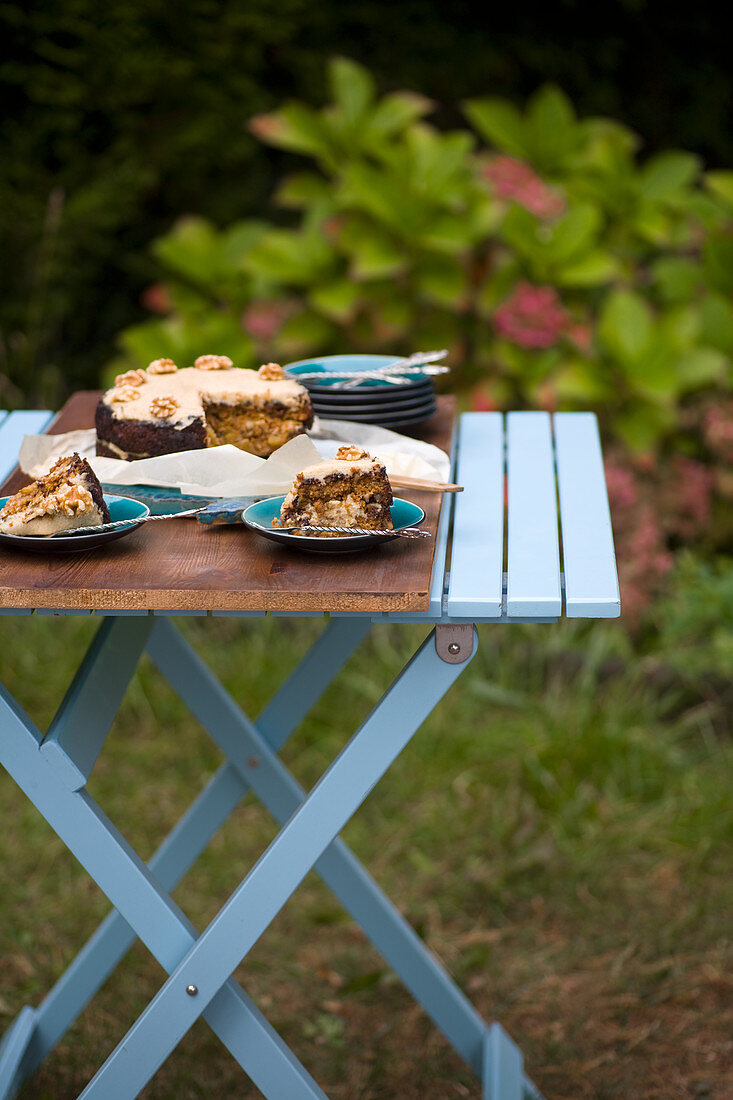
x=368 y=392
x=393 y=417
x=119 y=508
x=385 y=406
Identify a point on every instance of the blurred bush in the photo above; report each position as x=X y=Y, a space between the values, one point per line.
x=115 y=121
x=118 y=120
x=558 y=268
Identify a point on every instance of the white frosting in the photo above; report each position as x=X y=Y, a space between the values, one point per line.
x=50 y=524
x=191 y=388
x=322 y=470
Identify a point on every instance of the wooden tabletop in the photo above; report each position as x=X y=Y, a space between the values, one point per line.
x=183 y=566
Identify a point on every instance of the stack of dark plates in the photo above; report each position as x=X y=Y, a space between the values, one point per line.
x=401 y=405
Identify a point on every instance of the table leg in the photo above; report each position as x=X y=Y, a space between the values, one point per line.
x=108 y=945
x=81 y=724
x=160 y=924
x=123 y=877
x=251 y=753
x=263 y=892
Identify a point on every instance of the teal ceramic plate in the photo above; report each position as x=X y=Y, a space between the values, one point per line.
x=119 y=508
x=259 y=518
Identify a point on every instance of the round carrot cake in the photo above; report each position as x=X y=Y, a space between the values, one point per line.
x=164 y=409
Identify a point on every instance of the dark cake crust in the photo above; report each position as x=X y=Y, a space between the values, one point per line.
x=145 y=438
x=150 y=438
x=80 y=465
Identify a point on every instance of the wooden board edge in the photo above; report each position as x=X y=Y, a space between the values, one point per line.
x=176 y=600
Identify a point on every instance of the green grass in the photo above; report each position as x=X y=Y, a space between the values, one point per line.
x=558 y=831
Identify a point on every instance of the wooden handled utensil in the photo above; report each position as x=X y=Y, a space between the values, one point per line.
x=423 y=486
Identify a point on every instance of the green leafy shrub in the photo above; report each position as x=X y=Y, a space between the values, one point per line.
x=557 y=267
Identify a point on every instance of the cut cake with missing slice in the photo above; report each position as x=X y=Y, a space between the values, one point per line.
x=163 y=410
x=350 y=490
x=68 y=496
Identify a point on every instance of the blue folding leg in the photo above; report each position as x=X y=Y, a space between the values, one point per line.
x=250 y=748
x=489 y=1051
x=160 y=924
x=207 y=965
x=42 y=1028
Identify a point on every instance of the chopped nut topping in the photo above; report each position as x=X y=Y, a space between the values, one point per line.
x=73 y=500
x=351 y=453
x=162 y=366
x=163 y=407
x=213 y=362
x=271 y=372
x=130 y=378
x=125 y=393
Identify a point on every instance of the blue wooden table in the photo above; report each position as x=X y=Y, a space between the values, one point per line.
x=529 y=538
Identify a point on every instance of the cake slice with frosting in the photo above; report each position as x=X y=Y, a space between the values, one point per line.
x=350 y=490
x=68 y=496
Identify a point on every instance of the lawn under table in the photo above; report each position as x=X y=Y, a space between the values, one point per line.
x=529 y=536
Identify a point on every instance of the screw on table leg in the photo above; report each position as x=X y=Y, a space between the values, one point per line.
x=454 y=642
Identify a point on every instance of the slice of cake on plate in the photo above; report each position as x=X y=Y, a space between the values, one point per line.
x=350 y=490
x=68 y=496
x=163 y=410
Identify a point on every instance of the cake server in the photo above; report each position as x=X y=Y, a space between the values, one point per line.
x=401 y=532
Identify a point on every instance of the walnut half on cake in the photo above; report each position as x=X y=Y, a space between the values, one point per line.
x=163 y=410
x=68 y=496
x=350 y=490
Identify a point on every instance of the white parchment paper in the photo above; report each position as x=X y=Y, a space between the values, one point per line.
x=228 y=472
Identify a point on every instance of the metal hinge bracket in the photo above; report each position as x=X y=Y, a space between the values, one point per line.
x=454 y=642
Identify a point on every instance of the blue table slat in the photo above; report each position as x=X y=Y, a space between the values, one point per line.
x=591 y=582
x=475 y=584
x=533 y=567
x=12 y=429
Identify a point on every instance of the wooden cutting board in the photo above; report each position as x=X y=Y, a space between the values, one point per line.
x=183 y=566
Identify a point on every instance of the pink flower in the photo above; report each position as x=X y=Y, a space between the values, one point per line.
x=531 y=317
x=718 y=431
x=690 y=494
x=156 y=298
x=623 y=491
x=581 y=335
x=515 y=181
x=333 y=226
x=481 y=399
x=263 y=320
x=654 y=505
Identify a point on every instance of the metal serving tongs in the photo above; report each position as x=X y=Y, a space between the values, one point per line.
x=394 y=374
x=115 y=525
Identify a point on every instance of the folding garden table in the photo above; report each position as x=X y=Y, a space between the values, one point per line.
x=528 y=468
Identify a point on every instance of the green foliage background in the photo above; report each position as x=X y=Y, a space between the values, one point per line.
x=118 y=119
